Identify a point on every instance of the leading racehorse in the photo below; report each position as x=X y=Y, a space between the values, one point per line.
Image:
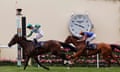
x=103 y=48
x=51 y=46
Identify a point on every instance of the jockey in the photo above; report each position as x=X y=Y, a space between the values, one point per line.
x=35 y=29
x=88 y=36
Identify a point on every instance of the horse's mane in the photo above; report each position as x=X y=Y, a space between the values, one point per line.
x=75 y=37
x=24 y=38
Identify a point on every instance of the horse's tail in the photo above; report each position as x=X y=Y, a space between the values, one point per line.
x=115 y=46
x=65 y=45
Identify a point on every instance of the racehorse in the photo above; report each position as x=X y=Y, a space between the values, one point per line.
x=103 y=48
x=30 y=49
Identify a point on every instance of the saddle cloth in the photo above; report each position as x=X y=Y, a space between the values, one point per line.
x=91 y=46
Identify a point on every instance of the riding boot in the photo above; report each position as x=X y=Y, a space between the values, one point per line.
x=87 y=43
x=90 y=46
x=35 y=41
x=37 y=45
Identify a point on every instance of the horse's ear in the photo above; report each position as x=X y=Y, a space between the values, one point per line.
x=70 y=36
x=15 y=35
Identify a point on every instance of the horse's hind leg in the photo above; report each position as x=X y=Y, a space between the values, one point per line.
x=115 y=58
x=26 y=61
x=36 y=59
x=107 y=60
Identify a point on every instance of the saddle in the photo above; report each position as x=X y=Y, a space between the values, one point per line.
x=91 y=46
x=38 y=44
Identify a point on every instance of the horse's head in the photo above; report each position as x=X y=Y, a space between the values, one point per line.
x=74 y=40
x=71 y=39
x=15 y=40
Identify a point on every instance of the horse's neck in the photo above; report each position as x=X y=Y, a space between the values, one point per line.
x=74 y=40
x=79 y=44
x=75 y=43
x=23 y=43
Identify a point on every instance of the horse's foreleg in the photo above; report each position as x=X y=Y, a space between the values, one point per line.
x=36 y=59
x=26 y=61
x=63 y=56
x=79 y=53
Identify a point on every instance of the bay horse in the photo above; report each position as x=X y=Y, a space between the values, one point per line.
x=102 y=48
x=30 y=50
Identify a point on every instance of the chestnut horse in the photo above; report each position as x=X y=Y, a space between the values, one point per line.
x=103 y=48
x=50 y=46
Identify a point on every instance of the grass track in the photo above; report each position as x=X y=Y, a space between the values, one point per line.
x=58 y=69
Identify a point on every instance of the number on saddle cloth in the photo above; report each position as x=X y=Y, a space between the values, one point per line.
x=91 y=46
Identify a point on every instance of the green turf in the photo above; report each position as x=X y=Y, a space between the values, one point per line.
x=58 y=69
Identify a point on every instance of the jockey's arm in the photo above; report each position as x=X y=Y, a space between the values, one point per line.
x=30 y=34
x=84 y=37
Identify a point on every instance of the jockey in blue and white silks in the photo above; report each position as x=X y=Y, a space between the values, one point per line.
x=88 y=36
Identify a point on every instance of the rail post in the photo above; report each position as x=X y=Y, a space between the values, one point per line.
x=19 y=32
